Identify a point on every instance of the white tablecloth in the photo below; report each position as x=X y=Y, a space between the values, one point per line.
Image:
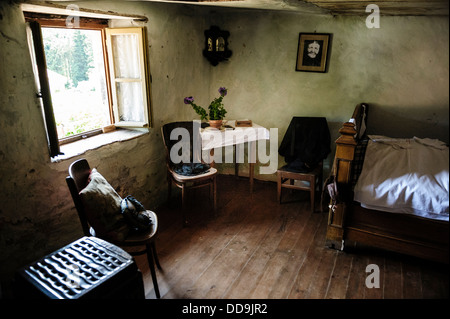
x=214 y=138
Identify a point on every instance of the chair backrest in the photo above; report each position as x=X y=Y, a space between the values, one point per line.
x=77 y=180
x=306 y=139
x=193 y=140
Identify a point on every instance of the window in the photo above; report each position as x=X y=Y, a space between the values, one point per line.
x=76 y=75
x=128 y=74
x=89 y=77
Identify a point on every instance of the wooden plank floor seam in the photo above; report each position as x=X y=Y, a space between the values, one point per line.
x=255 y=247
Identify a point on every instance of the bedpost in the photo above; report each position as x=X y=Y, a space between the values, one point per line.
x=342 y=166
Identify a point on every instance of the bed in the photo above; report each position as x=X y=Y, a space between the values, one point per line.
x=392 y=193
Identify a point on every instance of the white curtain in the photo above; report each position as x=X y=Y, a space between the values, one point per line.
x=127 y=70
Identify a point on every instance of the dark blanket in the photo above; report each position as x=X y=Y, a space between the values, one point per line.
x=305 y=143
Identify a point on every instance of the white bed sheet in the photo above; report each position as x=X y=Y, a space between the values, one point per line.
x=408 y=176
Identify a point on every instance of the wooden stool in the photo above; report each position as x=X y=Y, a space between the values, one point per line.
x=286 y=179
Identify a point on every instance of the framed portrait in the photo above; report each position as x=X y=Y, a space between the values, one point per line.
x=312 y=54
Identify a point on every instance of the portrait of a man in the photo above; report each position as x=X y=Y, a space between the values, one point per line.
x=312 y=52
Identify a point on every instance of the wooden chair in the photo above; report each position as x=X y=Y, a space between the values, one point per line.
x=207 y=178
x=134 y=244
x=286 y=179
x=305 y=145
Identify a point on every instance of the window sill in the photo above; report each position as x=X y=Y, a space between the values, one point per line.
x=82 y=146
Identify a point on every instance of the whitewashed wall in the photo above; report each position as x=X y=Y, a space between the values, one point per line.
x=401 y=68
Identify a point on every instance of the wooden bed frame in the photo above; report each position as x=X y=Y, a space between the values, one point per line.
x=349 y=223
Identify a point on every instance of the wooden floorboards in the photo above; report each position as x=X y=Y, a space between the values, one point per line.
x=255 y=248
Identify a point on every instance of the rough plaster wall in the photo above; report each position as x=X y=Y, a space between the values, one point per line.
x=401 y=69
x=37 y=214
x=396 y=68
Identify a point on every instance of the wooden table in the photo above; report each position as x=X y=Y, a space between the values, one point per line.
x=230 y=135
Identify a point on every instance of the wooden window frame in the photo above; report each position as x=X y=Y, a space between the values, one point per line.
x=38 y=20
x=143 y=80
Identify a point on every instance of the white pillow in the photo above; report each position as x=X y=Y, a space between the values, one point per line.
x=102 y=207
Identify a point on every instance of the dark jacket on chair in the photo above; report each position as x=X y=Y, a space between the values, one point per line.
x=306 y=143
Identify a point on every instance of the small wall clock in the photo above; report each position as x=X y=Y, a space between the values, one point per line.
x=216 y=45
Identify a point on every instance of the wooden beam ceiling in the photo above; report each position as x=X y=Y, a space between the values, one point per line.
x=343 y=7
x=387 y=7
